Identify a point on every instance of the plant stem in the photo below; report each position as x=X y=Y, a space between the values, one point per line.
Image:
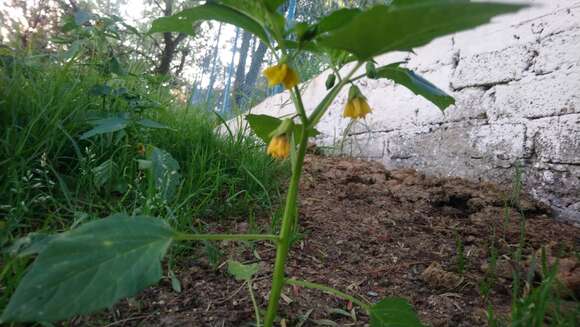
x=224 y=237
x=299 y=105
x=330 y=291
x=320 y=110
x=254 y=303
x=284 y=240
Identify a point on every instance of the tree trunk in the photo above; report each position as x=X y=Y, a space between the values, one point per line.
x=170 y=44
x=226 y=102
x=212 y=75
x=241 y=69
x=246 y=89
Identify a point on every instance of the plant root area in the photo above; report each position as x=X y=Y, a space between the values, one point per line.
x=374 y=233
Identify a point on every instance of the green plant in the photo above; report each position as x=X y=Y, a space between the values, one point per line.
x=460 y=256
x=77 y=264
x=245 y=273
x=533 y=303
x=51 y=180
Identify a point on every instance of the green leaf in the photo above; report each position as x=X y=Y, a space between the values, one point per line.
x=242 y=272
x=144 y=164
x=152 y=124
x=393 y=312
x=116 y=67
x=416 y=84
x=407 y=24
x=186 y=19
x=106 y=125
x=104 y=172
x=73 y=50
x=91 y=268
x=100 y=90
x=165 y=173
x=336 y=19
x=263 y=125
x=175 y=283
x=82 y=17
x=273 y=5
x=30 y=244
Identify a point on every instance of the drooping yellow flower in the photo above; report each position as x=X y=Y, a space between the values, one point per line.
x=279 y=147
x=356 y=108
x=281 y=74
x=140 y=149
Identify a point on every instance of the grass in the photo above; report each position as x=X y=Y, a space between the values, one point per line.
x=52 y=180
x=535 y=301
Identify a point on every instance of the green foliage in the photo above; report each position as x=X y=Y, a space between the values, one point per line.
x=460 y=253
x=52 y=179
x=415 y=83
x=106 y=125
x=187 y=166
x=407 y=24
x=393 y=312
x=242 y=272
x=185 y=20
x=166 y=174
x=90 y=268
x=263 y=125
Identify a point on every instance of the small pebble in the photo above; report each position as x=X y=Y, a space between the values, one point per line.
x=374 y=294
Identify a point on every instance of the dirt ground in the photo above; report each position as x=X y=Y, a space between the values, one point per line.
x=372 y=233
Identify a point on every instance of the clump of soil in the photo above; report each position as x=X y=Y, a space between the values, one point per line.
x=372 y=233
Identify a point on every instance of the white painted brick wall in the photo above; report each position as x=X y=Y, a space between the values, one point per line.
x=517 y=86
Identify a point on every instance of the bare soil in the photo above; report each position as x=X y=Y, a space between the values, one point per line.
x=372 y=233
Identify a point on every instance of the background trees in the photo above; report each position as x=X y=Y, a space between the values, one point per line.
x=205 y=65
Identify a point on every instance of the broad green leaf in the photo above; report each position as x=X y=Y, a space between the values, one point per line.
x=81 y=17
x=186 y=19
x=242 y=272
x=106 y=125
x=336 y=19
x=100 y=90
x=308 y=46
x=273 y=5
x=407 y=24
x=116 y=67
x=152 y=124
x=104 y=172
x=393 y=312
x=165 y=172
x=30 y=244
x=73 y=50
x=144 y=164
x=416 y=84
x=91 y=268
x=263 y=125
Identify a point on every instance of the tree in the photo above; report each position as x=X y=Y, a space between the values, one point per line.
x=170 y=42
x=241 y=69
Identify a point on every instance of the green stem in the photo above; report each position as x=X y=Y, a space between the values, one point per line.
x=299 y=105
x=330 y=291
x=284 y=241
x=327 y=101
x=254 y=303
x=224 y=237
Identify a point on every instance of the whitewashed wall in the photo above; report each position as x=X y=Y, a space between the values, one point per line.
x=517 y=86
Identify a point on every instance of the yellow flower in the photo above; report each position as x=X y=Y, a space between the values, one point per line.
x=140 y=149
x=281 y=73
x=279 y=147
x=356 y=108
